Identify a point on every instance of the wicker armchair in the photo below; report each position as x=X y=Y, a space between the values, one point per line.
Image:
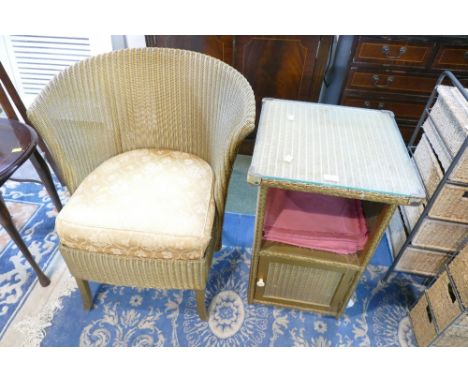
x=145 y=140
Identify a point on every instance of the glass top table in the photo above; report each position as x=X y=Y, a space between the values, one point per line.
x=337 y=150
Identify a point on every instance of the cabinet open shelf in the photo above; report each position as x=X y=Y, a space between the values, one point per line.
x=356 y=260
x=286 y=251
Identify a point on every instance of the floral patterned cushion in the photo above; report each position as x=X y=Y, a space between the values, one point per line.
x=146 y=203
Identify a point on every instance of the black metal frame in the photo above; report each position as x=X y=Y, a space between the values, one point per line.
x=446 y=178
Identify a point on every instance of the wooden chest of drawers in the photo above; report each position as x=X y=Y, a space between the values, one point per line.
x=398 y=73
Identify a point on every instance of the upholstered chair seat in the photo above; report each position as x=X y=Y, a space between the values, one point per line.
x=142 y=203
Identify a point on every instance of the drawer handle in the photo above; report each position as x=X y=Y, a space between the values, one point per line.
x=429 y=314
x=465 y=194
x=451 y=293
x=380 y=105
x=377 y=84
x=260 y=283
x=386 y=52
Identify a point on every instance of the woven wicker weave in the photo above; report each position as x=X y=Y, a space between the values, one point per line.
x=440 y=318
x=460 y=172
x=396 y=232
x=450 y=115
x=411 y=215
x=137 y=272
x=448 y=297
x=450 y=341
x=451 y=204
x=421 y=261
x=145 y=98
x=428 y=166
x=443 y=302
x=440 y=235
x=413 y=260
x=302 y=283
x=458 y=269
x=431 y=174
x=423 y=322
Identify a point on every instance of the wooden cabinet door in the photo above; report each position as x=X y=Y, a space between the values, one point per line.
x=289 y=67
x=220 y=47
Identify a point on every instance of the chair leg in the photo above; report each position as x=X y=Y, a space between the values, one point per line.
x=201 y=305
x=85 y=293
x=43 y=171
x=7 y=222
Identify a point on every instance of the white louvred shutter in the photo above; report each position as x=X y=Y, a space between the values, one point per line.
x=34 y=60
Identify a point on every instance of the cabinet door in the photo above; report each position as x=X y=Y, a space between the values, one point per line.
x=307 y=285
x=289 y=67
x=215 y=46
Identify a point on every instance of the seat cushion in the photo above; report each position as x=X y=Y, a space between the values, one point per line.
x=142 y=203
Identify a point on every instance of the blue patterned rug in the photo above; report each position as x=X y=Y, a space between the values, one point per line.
x=124 y=316
x=34 y=215
x=142 y=317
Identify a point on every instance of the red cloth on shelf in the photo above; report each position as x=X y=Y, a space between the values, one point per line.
x=315 y=221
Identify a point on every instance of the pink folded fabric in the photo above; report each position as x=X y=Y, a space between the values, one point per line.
x=315 y=221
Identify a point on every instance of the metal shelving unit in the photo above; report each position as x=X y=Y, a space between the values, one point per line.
x=446 y=180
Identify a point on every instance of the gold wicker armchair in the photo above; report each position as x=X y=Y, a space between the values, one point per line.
x=145 y=140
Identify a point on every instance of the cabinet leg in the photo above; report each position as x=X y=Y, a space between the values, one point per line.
x=7 y=223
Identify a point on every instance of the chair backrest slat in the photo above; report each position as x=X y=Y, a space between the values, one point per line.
x=9 y=94
x=6 y=104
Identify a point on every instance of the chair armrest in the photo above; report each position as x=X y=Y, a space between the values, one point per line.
x=234 y=122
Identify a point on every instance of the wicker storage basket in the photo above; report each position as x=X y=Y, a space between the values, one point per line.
x=460 y=172
x=411 y=214
x=451 y=204
x=446 y=340
x=426 y=332
x=458 y=329
x=423 y=322
x=450 y=114
x=396 y=232
x=443 y=301
x=428 y=165
x=413 y=260
x=421 y=261
x=456 y=333
x=444 y=236
x=458 y=270
x=445 y=320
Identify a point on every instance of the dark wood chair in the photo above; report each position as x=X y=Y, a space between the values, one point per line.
x=9 y=97
x=18 y=143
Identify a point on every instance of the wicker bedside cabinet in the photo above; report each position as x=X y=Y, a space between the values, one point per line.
x=332 y=150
